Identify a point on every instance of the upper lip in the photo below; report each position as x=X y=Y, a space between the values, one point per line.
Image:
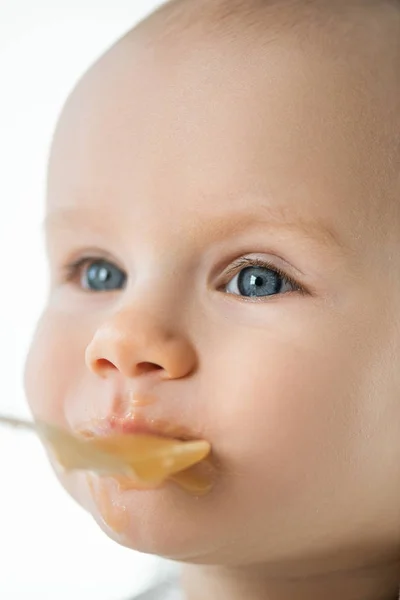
x=134 y=424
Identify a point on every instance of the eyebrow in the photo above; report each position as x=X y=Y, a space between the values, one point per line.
x=223 y=225
x=68 y=218
x=313 y=230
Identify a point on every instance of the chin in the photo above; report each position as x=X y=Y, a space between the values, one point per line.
x=166 y=522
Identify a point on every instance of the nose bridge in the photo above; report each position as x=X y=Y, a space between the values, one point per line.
x=137 y=339
x=129 y=330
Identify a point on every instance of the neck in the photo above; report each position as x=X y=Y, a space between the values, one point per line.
x=223 y=583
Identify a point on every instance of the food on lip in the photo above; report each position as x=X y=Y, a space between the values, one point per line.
x=137 y=461
x=130 y=451
x=149 y=458
x=193 y=481
x=196 y=479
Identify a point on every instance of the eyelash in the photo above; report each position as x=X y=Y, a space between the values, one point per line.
x=73 y=270
x=245 y=262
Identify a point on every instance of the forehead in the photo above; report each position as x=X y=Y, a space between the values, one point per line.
x=200 y=133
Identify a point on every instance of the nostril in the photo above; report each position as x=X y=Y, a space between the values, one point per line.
x=147 y=367
x=103 y=364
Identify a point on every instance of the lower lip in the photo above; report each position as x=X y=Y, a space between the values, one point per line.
x=126 y=484
x=129 y=426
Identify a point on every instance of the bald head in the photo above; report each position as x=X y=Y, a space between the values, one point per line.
x=366 y=31
x=365 y=34
x=336 y=62
x=269 y=15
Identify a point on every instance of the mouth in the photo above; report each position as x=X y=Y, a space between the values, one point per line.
x=133 y=425
x=196 y=478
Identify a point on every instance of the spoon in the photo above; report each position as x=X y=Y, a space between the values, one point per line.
x=148 y=459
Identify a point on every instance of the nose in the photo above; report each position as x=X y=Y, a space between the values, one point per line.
x=138 y=345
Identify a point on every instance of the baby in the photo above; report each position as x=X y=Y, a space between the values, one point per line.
x=223 y=240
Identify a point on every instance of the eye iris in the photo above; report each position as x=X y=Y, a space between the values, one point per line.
x=102 y=276
x=259 y=281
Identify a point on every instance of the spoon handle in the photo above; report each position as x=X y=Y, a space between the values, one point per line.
x=17 y=423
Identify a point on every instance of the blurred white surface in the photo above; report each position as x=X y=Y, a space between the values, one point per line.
x=49 y=548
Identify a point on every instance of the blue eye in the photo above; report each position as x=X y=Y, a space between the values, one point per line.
x=97 y=275
x=260 y=281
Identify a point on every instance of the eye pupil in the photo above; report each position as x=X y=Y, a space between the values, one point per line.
x=103 y=276
x=259 y=281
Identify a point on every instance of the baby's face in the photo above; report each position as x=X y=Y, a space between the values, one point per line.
x=238 y=276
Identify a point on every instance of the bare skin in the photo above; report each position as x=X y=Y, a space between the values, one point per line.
x=172 y=162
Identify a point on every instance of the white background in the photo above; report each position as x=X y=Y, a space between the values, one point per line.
x=49 y=548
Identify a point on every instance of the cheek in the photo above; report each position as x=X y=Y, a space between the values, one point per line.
x=287 y=408
x=55 y=363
